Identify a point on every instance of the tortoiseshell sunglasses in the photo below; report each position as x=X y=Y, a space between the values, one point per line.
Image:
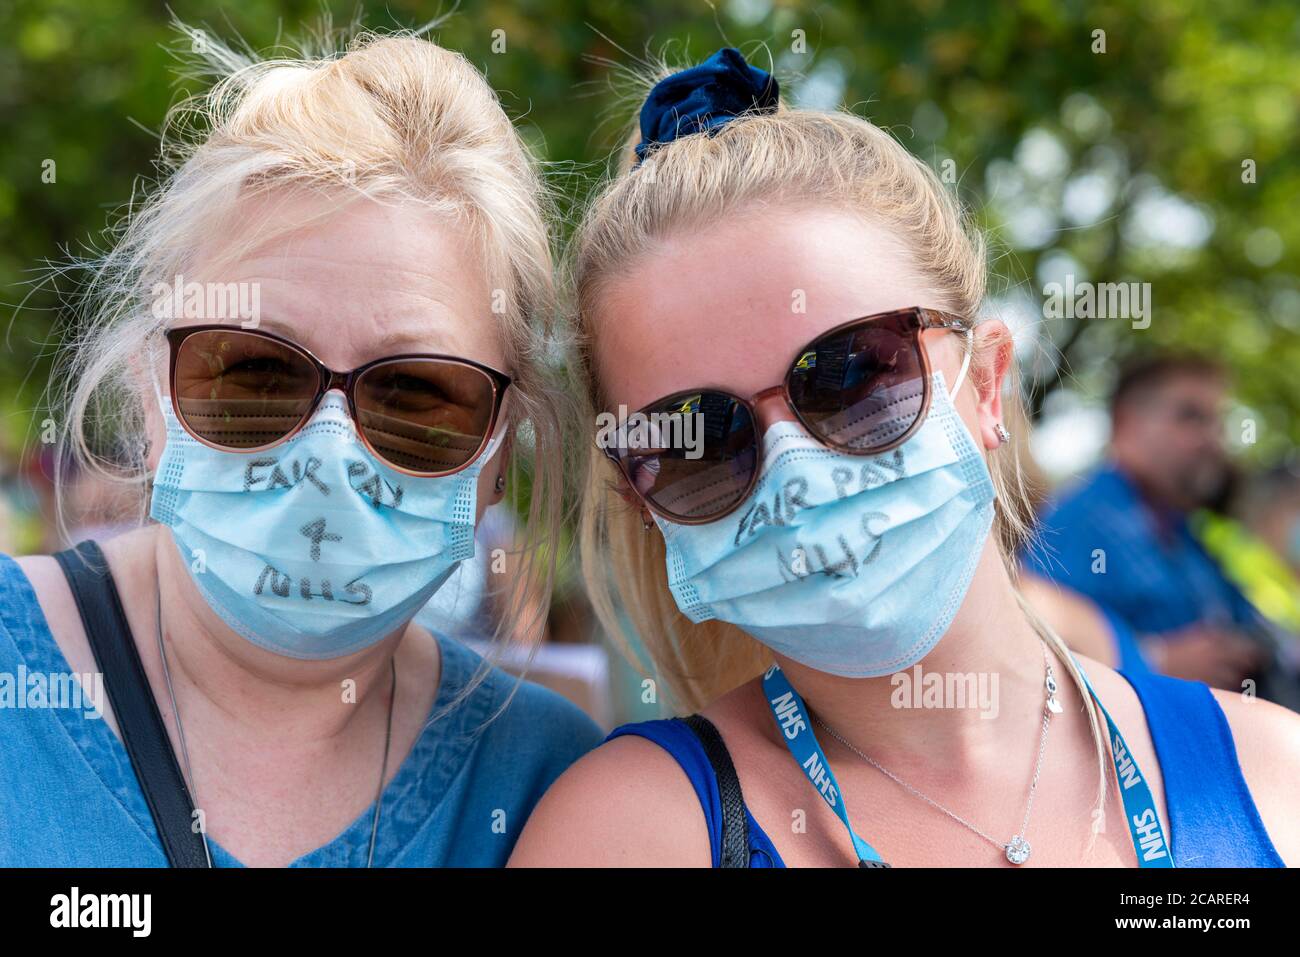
x=862 y=388
x=244 y=390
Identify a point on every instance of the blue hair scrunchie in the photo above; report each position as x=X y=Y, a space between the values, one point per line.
x=704 y=98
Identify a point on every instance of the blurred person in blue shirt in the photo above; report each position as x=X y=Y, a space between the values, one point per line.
x=1121 y=537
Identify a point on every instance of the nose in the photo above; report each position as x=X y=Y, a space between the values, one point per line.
x=770 y=407
x=333 y=405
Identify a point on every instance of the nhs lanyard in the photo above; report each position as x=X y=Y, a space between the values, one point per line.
x=795 y=724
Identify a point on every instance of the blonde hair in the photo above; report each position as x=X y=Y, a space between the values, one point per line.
x=391 y=118
x=762 y=160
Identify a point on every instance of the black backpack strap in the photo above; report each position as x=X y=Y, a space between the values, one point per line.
x=735 y=830
x=133 y=703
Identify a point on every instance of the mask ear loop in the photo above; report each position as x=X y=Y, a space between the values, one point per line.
x=492 y=448
x=163 y=406
x=965 y=363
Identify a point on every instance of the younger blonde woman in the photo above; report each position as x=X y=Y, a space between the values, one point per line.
x=822 y=504
x=318 y=464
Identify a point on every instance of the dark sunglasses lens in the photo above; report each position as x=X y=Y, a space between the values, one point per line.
x=860 y=388
x=239 y=390
x=425 y=415
x=693 y=456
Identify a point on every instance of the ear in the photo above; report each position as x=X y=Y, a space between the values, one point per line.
x=621 y=487
x=994 y=353
x=498 y=469
x=142 y=380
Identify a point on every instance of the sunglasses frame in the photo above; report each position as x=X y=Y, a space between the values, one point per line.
x=328 y=379
x=918 y=319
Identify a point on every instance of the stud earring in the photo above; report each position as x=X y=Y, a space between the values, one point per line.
x=501 y=483
x=1003 y=435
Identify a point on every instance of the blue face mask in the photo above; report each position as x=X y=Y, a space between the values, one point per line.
x=851 y=565
x=312 y=549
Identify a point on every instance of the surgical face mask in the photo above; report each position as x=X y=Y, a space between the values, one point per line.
x=312 y=549
x=850 y=565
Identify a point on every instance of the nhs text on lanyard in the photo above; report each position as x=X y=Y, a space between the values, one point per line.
x=796 y=729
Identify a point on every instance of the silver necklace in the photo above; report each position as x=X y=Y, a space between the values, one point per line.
x=1017 y=849
x=185 y=751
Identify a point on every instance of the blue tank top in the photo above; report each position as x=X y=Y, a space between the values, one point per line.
x=1213 y=820
x=69 y=796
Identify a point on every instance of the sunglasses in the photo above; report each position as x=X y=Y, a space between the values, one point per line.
x=241 y=390
x=862 y=388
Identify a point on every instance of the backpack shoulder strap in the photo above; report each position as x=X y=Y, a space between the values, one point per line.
x=143 y=733
x=735 y=830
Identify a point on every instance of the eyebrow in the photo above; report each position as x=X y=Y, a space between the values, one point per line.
x=394 y=339
x=387 y=345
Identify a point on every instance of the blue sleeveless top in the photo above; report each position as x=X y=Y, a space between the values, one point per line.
x=1213 y=820
x=69 y=796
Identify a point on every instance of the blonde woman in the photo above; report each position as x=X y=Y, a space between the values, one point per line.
x=822 y=509
x=318 y=465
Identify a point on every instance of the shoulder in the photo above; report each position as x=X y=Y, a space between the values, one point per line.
x=1103 y=487
x=18 y=604
x=542 y=731
x=1120 y=700
x=626 y=804
x=537 y=716
x=1264 y=736
x=1267 y=740
x=34 y=598
x=43 y=617
x=26 y=579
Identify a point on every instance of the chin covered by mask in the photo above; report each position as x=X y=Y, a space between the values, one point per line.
x=312 y=549
x=852 y=565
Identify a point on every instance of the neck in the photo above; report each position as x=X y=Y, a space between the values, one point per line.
x=219 y=676
x=990 y=652
x=1158 y=502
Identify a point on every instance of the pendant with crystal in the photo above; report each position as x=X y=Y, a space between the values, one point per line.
x=1018 y=850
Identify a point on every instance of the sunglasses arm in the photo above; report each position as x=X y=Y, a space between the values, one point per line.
x=934 y=319
x=965 y=361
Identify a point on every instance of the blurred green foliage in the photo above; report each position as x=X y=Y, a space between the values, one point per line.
x=1125 y=164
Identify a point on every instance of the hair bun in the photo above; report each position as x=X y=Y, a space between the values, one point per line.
x=704 y=98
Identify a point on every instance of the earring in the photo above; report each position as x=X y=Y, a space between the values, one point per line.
x=501 y=483
x=647 y=522
x=1003 y=435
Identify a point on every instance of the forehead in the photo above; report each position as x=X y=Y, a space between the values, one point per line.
x=730 y=304
x=1202 y=386
x=358 y=279
x=1188 y=388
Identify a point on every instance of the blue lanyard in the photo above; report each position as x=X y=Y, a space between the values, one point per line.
x=796 y=728
x=1139 y=805
x=795 y=724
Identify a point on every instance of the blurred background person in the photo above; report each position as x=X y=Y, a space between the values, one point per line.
x=1084 y=626
x=1253 y=532
x=1272 y=510
x=1121 y=536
